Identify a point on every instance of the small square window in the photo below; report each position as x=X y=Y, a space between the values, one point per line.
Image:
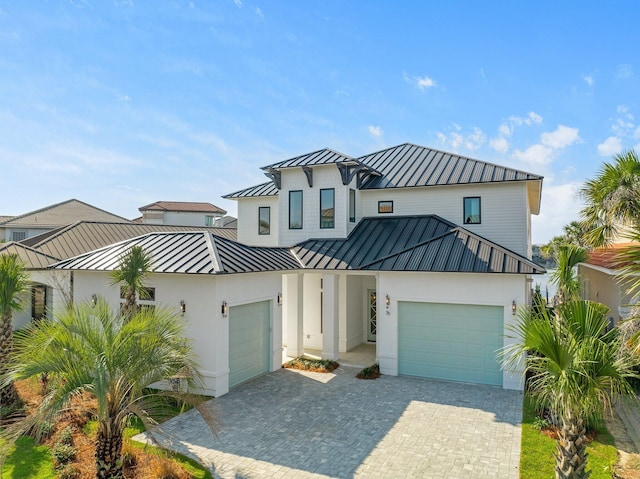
x=385 y=206
x=209 y=220
x=471 y=213
x=264 y=220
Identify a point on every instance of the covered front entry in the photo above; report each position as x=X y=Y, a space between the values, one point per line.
x=249 y=339
x=456 y=342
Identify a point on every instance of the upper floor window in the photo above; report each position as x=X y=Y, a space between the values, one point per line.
x=209 y=220
x=18 y=235
x=471 y=213
x=327 y=208
x=385 y=206
x=264 y=220
x=295 y=210
x=352 y=206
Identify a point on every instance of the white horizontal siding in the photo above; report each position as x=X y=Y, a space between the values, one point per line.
x=248 y=221
x=325 y=176
x=504 y=212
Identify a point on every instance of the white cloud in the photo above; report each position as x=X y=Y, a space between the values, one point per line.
x=420 y=82
x=259 y=12
x=610 y=146
x=475 y=140
x=375 y=131
x=124 y=98
x=499 y=144
x=588 y=79
x=535 y=154
x=622 y=109
x=505 y=129
x=624 y=71
x=238 y=3
x=529 y=120
x=561 y=137
x=471 y=140
x=560 y=206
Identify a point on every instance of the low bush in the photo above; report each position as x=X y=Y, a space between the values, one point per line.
x=309 y=364
x=63 y=454
x=372 y=372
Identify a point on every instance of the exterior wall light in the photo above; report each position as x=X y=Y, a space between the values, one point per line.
x=387 y=301
x=94 y=299
x=183 y=307
x=514 y=307
x=280 y=299
x=224 y=309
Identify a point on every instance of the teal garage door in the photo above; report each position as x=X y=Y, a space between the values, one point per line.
x=450 y=341
x=249 y=334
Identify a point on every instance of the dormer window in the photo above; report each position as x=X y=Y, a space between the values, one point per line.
x=471 y=213
x=327 y=208
x=264 y=220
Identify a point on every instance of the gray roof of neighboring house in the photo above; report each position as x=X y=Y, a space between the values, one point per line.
x=188 y=252
x=83 y=236
x=325 y=156
x=63 y=213
x=263 y=189
x=412 y=243
x=409 y=165
x=4 y=218
x=183 y=206
x=32 y=258
x=229 y=222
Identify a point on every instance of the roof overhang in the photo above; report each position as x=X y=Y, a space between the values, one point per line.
x=534 y=193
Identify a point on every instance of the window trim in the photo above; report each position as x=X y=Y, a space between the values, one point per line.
x=333 y=198
x=352 y=205
x=19 y=232
x=291 y=192
x=380 y=204
x=268 y=210
x=464 y=210
x=209 y=220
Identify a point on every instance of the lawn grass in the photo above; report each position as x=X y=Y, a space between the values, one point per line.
x=536 y=457
x=28 y=461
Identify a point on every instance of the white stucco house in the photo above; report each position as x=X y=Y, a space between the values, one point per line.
x=423 y=253
x=182 y=213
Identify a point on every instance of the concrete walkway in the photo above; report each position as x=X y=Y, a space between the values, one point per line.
x=291 y=424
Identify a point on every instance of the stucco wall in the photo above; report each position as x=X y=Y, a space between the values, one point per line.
x=603 y=287
x=206 y=326
x=458 y=288
x=56 y=282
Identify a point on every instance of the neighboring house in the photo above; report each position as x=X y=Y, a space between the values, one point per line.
x=18 y=228
x=370 y=250
x=182 y=213
x=52 y=289
x=600 y=281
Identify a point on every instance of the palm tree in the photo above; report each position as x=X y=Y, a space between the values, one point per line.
x=92 y=350
x=575 y=369
x=14 y=280
x=575 y=233
x=132 y=271
x=567 y=256
x=612 y=198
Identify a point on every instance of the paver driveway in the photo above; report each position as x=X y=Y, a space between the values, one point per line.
x=291 y=424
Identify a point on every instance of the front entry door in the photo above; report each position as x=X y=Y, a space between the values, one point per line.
x=372 y=315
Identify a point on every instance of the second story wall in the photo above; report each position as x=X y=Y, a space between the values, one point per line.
x=504 y=211
x=250 y=231
x=324 y=177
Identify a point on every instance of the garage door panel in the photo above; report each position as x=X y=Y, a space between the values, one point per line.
x=249 y=339
x=450 y=341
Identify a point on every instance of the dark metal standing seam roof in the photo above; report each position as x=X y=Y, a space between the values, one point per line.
x=325 y=156
x=195 y=252
x=412 y=243
x=411 y=165
x=263 y=189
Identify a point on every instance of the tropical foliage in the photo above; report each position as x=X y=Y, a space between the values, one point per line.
x=575 y=233
x=14 y=280
x=575 y=368
x=132 y=270
x=612 y=199
x=567 y=257
x=94 y=351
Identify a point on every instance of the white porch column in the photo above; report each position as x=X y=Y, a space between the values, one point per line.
x=292 y=313
x=330 y=315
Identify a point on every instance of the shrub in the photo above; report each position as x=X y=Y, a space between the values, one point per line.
x=164 y=469
x=70 y=471
x=66 y=436
x=315 y=365
x=372 y=372
x=63 y=453
x=129 y=458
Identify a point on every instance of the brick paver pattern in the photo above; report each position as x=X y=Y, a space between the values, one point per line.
x=292 y=424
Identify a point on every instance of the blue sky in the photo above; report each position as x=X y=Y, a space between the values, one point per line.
x=122 y=103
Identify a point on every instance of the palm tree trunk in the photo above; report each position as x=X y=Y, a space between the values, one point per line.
x=8 y=394
x=109 y=452
x=130 y=304
x=571 y=453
